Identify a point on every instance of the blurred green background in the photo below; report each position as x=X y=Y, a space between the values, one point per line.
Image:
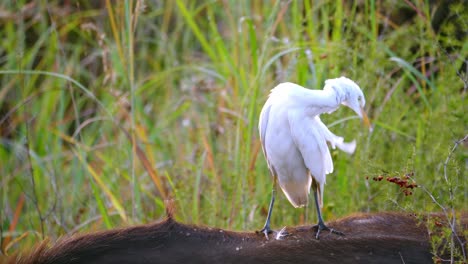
x=108 y=109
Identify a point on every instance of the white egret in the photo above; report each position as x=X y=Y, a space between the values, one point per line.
x=294 y=139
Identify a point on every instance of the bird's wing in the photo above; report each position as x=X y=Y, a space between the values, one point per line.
x=262 y=127
x=312 y=144
x=263 y=122
x=335 y=141
x=310 y=140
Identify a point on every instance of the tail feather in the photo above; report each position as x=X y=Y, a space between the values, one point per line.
x=297 y=193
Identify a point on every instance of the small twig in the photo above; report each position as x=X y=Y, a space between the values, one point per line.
x=451 y=197
x=457 y=143
x=415 y=8
x=89 y=221
x=34 y=199
x=280 y=15
x=463 y=77
x=451 y=220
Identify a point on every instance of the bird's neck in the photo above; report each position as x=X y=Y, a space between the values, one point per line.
x=321 y=101
x=338 y=93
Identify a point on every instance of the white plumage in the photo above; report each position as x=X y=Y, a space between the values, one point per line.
x=294 y=139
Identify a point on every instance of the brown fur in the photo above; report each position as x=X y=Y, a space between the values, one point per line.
x=370 y=238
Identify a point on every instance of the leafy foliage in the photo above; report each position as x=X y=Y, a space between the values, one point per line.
x=107 y=109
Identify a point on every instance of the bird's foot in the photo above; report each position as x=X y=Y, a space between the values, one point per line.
x=266 y=230
x=321 y=226
x=278 y=234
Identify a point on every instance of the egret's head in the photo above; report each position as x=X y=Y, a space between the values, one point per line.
x=349 y=94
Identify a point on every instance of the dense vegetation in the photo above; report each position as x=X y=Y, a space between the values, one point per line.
x=107 y=110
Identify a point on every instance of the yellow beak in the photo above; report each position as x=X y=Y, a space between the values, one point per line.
x=365 y=119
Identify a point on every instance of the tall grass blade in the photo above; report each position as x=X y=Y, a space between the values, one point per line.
x=196 y=30
x=102 y=185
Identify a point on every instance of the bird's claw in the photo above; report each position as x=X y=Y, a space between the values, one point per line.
x=266 y=230
x=279 y=235
x=322 y=226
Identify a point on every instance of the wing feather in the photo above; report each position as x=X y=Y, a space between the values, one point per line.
x=311 y=142
x=262 y=127
x=335 y=141
x=310 y=135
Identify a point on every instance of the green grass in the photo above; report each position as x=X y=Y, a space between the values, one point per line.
x=106 y=111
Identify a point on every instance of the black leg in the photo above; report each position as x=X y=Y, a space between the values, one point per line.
x=266 y=229
x=321 y=225
x=319 y=213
